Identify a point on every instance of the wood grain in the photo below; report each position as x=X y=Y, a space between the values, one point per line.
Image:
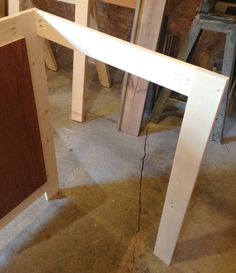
x=22 y=169
x=134 y=93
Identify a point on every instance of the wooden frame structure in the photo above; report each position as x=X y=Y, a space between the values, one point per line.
x=14 y=28
x=203 y=88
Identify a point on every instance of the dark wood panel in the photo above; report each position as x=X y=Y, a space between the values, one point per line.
x=22 y=169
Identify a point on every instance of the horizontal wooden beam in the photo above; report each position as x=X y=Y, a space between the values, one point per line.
x=152 y=66
x=124 y=3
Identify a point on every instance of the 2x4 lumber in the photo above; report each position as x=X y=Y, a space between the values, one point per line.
x=40 y=86
x=79 y=66
x=142 y=62
x=135 y=90
x=126 y=76
x=124 y=3
x=194 y=135
x=49 y=57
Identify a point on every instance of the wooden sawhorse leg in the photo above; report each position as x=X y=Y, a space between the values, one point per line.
x=184 y=54
x=227 y=70
x=82 y=12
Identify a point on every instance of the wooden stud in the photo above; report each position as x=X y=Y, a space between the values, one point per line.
x=135 y=89
x=49 y=57
x=102 y=69
x=124 y=3
x=79 y=66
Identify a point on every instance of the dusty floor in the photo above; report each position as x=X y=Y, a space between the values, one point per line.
x=92 y=225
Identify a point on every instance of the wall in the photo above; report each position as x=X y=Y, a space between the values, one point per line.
x=117 y=21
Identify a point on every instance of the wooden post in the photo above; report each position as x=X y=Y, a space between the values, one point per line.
x=12 y=29
x=135 y=90
x=79 y=66
x=14 y=7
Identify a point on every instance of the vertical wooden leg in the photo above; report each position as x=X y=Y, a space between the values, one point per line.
x=190 y=42
x=103 y=74
x=227 y=69
x=39 y=81
x=192 y=142
x=102 y=69
x=49 y=56
x=135 y=89
x=79 y=66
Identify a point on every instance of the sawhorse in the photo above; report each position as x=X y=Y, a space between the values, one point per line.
x=216 y=24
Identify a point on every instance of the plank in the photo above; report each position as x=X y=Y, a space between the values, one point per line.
x=79 y=66
x=82 y=11
x=102 y=69
x=49 y=57
x=158 y=68
x=14 y=7
x=21 y=158
x=126 y=76
x=194 y=136
x=124 y=3
x=149 y=25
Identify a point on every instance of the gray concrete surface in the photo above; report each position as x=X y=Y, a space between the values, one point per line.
x=92 y=224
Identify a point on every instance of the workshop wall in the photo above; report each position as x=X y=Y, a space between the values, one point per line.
x=117 y=21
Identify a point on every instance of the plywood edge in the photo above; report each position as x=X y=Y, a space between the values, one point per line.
x=23 y=205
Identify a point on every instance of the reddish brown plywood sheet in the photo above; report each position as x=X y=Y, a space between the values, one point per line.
x=22 y=168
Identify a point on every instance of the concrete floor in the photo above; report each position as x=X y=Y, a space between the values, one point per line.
x=92 y=225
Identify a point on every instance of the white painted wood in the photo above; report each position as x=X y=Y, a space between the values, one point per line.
x=13 y=28
x=123 y=3
x=155 y=67
x=49 y=57
x=39 y=81
x=200 y=113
